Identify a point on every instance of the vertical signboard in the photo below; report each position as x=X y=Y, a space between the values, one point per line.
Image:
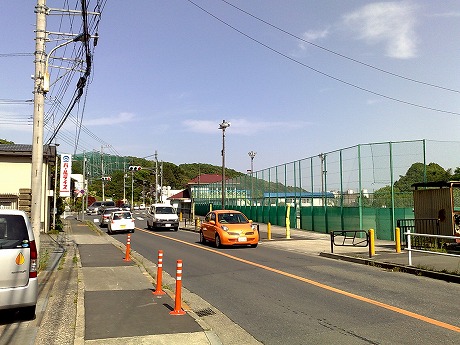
x=66 y=170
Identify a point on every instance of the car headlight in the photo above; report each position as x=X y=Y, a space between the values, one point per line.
x=223 y=227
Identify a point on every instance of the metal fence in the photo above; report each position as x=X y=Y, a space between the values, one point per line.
x=346 y=189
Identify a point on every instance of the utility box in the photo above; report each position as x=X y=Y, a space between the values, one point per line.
x=438 y=201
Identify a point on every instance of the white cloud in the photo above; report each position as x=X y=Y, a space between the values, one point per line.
x=390 y=23
x=241 y=126
x=102 y=121
x=312 y=35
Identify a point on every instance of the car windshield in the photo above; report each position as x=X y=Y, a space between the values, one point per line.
x=232 y=218
x=13 y=232
x=165 y=210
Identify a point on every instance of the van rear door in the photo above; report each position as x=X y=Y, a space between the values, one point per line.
x=14 y=251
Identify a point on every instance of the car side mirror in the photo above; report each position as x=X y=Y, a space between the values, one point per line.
x=213 y=222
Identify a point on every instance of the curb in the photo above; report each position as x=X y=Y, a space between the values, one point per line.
x=392 y=266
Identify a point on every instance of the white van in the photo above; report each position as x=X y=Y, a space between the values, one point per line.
x=162 y=216
x=18 y=263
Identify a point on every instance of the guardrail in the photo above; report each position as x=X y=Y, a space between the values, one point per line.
x=410 y=250
x=351 y=241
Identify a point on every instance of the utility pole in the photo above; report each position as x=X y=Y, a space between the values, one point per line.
x=84 y=188
x=39 y=112
x=124 y=182
x=102 y=173
x=156 y=176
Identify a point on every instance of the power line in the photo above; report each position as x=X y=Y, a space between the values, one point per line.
x=339 y=54
x=323 y=73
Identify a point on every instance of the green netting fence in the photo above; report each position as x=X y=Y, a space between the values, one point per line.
x=347 y=189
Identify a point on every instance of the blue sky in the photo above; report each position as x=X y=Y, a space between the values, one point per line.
x=166 y=73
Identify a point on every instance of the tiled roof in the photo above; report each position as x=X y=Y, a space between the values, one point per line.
x=206 y=178
x=24 y=150
x=185 y=194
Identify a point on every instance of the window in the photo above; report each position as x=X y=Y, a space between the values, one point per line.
x=13 y=232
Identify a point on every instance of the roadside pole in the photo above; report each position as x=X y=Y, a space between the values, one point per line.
x=39 y=112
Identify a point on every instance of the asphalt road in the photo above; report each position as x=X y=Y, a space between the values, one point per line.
x=282 y=297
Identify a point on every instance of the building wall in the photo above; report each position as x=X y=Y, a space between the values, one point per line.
x=15 y=174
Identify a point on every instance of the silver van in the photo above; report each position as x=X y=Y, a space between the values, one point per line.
x=18 y=264
x=162 y=216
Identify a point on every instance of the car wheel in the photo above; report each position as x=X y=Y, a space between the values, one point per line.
x=202 y=239
x=28 y=313
x=254 y=245
x=176 y=228
x=218 y=242
x=132 y=231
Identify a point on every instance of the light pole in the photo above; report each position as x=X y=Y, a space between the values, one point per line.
x=252 y=154
x=223 y=126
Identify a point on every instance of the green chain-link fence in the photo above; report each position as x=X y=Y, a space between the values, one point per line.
x=348 y=189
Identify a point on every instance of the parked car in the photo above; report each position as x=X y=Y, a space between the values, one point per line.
x=228 y=228
x=104 y=218
x=18 y=264
x=121 y=221
x=142 y=207
x=162 y=216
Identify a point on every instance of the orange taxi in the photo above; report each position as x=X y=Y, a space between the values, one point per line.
x=228 y=228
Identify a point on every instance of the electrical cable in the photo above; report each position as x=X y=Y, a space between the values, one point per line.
x=323 y=73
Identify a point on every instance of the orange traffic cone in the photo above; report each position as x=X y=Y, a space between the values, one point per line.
x=158 y=291
x=128 y=249
x=177 y=305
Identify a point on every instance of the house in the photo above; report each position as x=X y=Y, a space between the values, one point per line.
x=201 y=185
x=16 y=181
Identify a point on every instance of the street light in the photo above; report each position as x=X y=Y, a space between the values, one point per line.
x=223 y=126
x=46 y=79
x=252 y=154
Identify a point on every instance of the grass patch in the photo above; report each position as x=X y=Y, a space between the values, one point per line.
x=43 y=261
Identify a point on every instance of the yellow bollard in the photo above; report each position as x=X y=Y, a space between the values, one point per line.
x=371 y=243
x=197 y=223
x=210 y=207
x=398 y=239
x=180 y=216
x=288 y=222
x=269 y=231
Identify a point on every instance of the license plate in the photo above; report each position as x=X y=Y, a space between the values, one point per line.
x=167 y=225
x=242 y=239
x=122 y=226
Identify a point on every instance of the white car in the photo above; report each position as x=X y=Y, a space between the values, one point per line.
x=142 y=207
x=18 y=264
x=121 y=221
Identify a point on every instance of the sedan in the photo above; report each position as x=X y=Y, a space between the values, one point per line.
x=121 y=221
x=228 y=228
x=104 y=220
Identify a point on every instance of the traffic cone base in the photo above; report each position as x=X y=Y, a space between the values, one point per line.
x=177 y=312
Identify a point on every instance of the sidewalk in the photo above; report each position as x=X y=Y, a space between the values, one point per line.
x=111 y=300
x=98 y=298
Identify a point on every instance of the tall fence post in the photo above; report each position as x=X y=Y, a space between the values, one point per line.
x=288 y=221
